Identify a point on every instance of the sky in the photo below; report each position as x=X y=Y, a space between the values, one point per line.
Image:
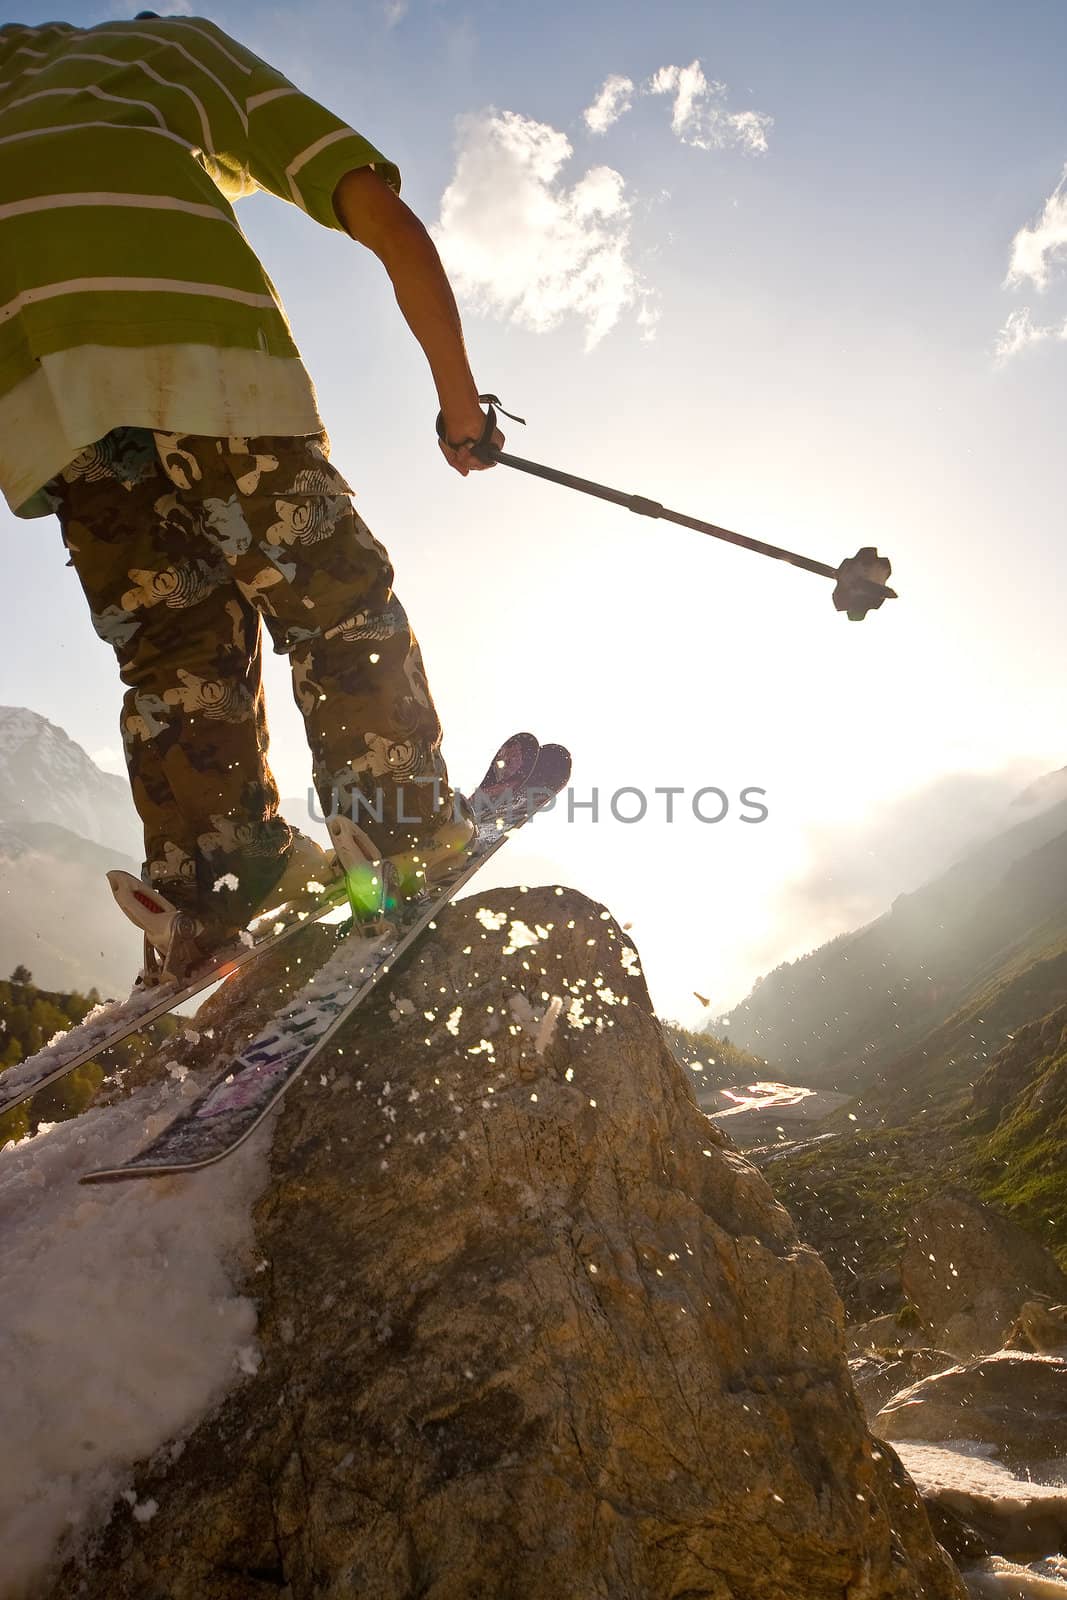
x=799 y=271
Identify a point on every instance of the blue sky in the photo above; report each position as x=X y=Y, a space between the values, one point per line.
x=798 y=341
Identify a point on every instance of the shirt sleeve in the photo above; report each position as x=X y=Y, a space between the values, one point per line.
x=300 y=151
x=294 y=147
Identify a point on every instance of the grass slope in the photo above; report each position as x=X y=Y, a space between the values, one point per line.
x=985 y=944
x=1005 y=1139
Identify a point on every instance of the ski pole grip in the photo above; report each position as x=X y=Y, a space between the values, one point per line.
x=482 y=448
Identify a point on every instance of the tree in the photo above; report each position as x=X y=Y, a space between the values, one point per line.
x=22 y=974
x=14 y=1125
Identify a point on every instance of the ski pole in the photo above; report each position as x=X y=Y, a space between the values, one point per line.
x=860 y=579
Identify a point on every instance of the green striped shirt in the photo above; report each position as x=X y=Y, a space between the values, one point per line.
x=122 y=148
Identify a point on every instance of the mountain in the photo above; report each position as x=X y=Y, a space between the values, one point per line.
x=946 y=1020
x=852 y=1190
x=56 y=911
x=46 y=777
x=923 y=997
x=63 y=823
x=1018 y=1127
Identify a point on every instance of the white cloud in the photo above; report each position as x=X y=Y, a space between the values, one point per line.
x=1034 y=251
x=520 y=244
x=395 y=11
x=125 y=9
x=700 y=117
x=1020 y=331
x=612 y=102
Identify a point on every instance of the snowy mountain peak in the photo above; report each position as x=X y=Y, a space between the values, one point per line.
x=46 y=777
x=18 y=725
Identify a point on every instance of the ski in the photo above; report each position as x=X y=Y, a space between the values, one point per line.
x=223 y=1116
x=109 y=1024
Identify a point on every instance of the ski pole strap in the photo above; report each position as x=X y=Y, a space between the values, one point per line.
x=481 y=448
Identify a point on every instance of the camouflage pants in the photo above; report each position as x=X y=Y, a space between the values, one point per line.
x=182 y=544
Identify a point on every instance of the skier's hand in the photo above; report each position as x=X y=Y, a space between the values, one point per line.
x=467 y=428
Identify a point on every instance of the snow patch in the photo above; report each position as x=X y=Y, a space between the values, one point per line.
x=998 y=1579
x=547 y=1027
x=123 y=1321
x=966 y=1477
x=968 y=1468
x=539 y=1021
x=520 y=937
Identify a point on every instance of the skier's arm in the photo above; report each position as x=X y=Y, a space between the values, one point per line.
x=376 y=217
x=302 y=152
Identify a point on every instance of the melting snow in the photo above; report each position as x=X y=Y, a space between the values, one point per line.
x=547 y=1026
x=966 y=1476
x=968 y=1469
x=123 y=1322
x=521 y=937
x=998 y=1579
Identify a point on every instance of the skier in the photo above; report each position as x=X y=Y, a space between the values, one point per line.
x=152 y=397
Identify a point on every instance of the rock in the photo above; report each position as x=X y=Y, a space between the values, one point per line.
x=881 y=1333
x=969 y=1272
x=1039 y=1327
x=879 y=1375
x=1014 y=1401
x=1009 y=1515
x=1018 y=1067
x=954 y=1534
x=879 y=1291
x=530 y=1329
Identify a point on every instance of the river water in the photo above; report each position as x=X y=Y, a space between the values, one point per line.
x=769 y=1113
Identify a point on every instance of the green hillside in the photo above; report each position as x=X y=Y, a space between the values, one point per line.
x=1005 y=1139
x=712 y=1062
x=29 y=1017
x=923 y=997
x=1018 y=1156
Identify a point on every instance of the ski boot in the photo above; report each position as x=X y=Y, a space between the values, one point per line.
x=177 y=941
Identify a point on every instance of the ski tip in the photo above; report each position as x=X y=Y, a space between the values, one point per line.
x=552 y=767
x=557 y=753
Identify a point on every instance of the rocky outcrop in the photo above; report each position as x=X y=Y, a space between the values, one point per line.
x=969 y=1271
x=879 y=1375
x=530 y=1327
x=994 y=1479
x=1039 y=1327
x=882 y=1333
x=1018 y=1067
x=1015 y=1402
